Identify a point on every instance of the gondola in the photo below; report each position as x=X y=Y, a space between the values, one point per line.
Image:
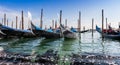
x=48 y=34
x=113 y=35
x=84 y=31
x=68 y=33
x=11 y=32
x=38 y=31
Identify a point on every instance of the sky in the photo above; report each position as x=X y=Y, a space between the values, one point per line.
x=70 y=10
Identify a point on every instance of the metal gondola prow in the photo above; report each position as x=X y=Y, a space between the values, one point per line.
x=1 y=31
x=30 y=23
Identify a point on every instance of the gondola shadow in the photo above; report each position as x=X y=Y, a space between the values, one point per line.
x=44 y=41
x=67 y=45
x=2 y=40
x=69 y=39
x=47 y=44
x=19 y=44
x=21 y=41
x=109 y=39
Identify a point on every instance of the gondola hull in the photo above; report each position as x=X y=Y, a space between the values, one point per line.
x=43 y=33
x=11 y=32
x=50 y=35
x=110 y=36
x=69 y=35
x=117 y=37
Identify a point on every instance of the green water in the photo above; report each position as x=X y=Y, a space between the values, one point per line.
x=87 y=43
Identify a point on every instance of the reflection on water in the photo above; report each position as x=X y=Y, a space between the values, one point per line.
x=20 y=45
x=5 y=42
x=67 y=46
x=86 y=43
x=46 y=44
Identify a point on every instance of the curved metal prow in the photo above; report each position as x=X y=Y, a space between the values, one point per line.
x=2 y=33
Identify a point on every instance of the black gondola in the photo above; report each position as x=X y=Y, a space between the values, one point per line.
x=11 y=32
x=68 y=33
x=113 y=35
x=48 y=34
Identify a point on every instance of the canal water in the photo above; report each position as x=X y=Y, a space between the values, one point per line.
x=87 y=43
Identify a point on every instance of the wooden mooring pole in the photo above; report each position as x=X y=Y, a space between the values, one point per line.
x=5 y=19
x=12 y=24
x=65 y=22
x=83 y=28
x=79 y=30
x=60 y=16
x=106 y=25
x=56 y=24
x=60 y=22
x=16 y=21
x=52 y=24
x=102 y=22
x=22 y=22
x=79 y=22
x=92 y=26
x=2 y=21
x=20 y=25
x=41 y=21
x=7 y=22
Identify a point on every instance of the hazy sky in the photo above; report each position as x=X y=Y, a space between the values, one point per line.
x=89 y=9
